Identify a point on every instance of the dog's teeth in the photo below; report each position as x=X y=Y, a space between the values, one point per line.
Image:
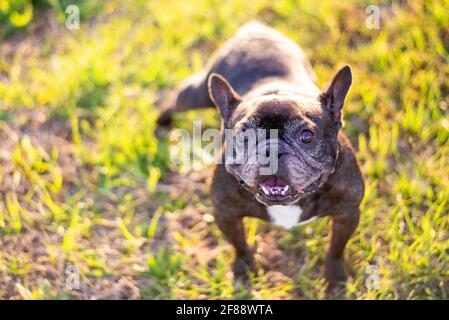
x=265 y=190
x=275 y=191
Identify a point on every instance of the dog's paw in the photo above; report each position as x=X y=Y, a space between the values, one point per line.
x=243 y=266
x=334 y=272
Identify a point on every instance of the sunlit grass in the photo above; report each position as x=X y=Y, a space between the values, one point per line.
x=80 y=165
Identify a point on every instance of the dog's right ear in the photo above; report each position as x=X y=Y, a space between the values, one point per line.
x=223 y=95
x=333 y=97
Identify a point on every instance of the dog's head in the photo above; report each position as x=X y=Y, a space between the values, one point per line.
x=297 y=135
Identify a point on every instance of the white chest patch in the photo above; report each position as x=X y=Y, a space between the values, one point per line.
x=287 y=216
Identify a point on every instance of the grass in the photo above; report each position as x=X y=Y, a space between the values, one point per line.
x=84 y=181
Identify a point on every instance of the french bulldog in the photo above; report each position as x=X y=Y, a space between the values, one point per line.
x=259 y=79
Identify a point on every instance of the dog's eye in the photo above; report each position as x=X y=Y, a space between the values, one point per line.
x=307 y=136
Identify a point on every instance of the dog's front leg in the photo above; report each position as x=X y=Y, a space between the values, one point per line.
x=232 y=228
x=343 y=225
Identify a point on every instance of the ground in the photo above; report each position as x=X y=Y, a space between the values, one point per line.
x=85 y=183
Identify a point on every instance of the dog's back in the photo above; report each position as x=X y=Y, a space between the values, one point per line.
x=255 y=61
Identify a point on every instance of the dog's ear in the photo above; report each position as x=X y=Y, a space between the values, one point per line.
x=333 y=97
x=223 y=95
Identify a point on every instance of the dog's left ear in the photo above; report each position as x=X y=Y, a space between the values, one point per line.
x=223 y=96
x=333 y=97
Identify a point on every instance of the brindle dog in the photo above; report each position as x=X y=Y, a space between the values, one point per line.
x=260 y=79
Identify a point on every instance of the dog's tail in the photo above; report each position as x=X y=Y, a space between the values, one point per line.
x=192 y=93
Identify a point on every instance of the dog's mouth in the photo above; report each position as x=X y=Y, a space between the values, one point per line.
x=276 y=189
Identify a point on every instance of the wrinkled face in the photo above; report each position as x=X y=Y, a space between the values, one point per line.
x=305 y=147
x=305 y=144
